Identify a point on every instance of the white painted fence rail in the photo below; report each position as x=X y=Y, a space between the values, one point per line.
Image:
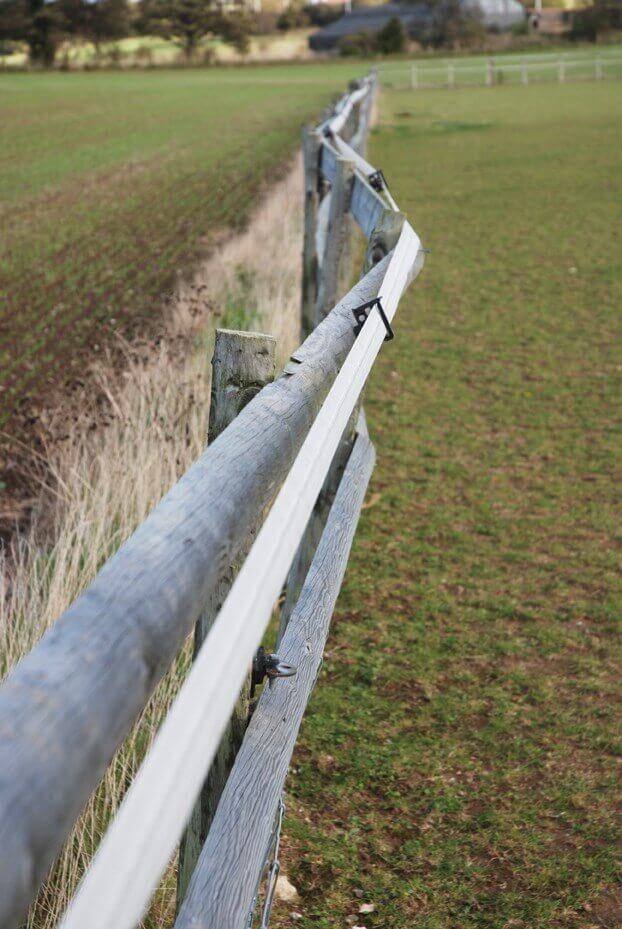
x=421 y=74
x=68 y=705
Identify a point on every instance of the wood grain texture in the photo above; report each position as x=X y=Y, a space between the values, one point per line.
x=67 y=706
x=321 y=233
x=315 y=527
x=366 y=205
x=367 y=113
x=328 y=161
x=384 y=237
x=335 y=240
x=242 y=364
x=310 y=155
x=335 y=237
x=222 y=888
x=135 y=851
x=358 y=140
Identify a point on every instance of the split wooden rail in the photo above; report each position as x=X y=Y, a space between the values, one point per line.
x=296 y=449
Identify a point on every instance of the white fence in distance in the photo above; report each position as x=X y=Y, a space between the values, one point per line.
x=491 y=72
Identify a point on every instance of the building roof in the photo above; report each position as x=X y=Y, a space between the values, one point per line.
x=369 y=19
x=495 y=15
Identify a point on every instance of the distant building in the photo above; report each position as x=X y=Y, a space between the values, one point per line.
x=496 y=15
x=414 y=18
x=417 y=19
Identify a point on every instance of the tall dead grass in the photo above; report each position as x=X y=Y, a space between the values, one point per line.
x=103 y=482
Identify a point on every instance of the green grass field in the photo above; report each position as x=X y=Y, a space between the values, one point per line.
x=111 y=184
x=458 y=765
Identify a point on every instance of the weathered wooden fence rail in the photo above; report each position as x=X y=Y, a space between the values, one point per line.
x=288 y=447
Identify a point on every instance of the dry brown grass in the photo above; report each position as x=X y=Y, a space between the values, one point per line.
x=104 y=482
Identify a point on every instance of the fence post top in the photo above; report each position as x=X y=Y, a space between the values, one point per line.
x=235 y=335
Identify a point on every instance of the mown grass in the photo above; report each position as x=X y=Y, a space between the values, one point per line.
x=113 y=184
x=458 y=763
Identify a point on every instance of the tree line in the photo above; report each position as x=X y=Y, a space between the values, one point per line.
x=43 y=25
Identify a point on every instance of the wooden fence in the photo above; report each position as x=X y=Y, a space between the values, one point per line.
x=296 y=449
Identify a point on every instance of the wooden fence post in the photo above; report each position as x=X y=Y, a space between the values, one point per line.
x=333 y=246
x=384 y=238
x=366 y=115
x=489 y=73
x=225 y=880
x=310 y=156
x=315 y=527
x=243 y=363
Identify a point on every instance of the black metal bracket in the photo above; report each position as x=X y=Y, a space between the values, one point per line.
x=268 y=666
x=377 y=181
x=361 y=313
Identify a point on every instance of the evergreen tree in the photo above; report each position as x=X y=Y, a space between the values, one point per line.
x=392 y=37
x=40 y=25
x=187 y=22
x=96 y=21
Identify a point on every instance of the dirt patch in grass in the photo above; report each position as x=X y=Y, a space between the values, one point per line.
x=606 y=910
